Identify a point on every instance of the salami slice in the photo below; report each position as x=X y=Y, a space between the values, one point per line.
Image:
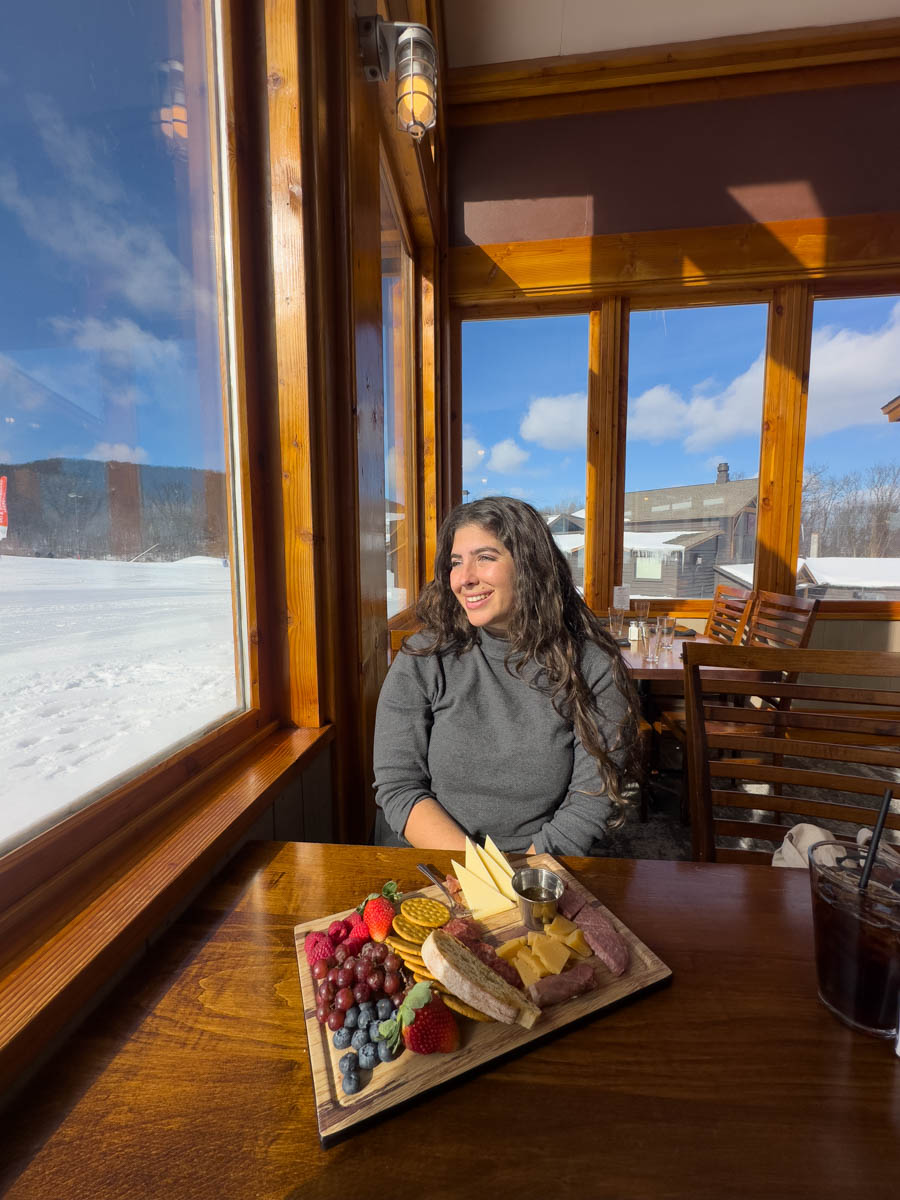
x=571 y=903
x=603 y=939
x=553 y=989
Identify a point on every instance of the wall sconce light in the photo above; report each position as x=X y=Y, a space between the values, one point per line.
x=408 y=50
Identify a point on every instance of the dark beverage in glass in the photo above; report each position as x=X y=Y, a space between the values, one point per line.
x=857 y=936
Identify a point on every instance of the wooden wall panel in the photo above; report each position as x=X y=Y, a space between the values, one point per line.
x=781 y=446
x=431 y=440
x=607 y=405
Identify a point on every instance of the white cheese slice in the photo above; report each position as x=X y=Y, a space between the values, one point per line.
x=498 y=878
x=475 y=864
x=483 y=899
x=498 y=856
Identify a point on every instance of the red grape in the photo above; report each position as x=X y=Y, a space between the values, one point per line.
x=397 y=999
x=322 y=1013
x=367 y=948
x=375 y=979
x=325 y=991
x=349 y=964
x=392 y=983
x=340 y=953
x=362 y=968
x=332 y=975
x=335 y=1020
x=379 y=953
x=392 y=962
x=345 y=978
x=320 y=969
x=361 y=993
x=344 y=999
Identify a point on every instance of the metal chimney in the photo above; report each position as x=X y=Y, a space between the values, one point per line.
x=722 y=473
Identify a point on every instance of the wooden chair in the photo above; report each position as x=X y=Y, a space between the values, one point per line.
x=821 y=749
x=779 y=621
x=729 y=613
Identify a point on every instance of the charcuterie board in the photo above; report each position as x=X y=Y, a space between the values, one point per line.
x=411 y=1075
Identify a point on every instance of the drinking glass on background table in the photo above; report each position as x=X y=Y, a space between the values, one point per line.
x=649 y=640
x=641 y=609
x=618 y=622
x=666 y=633
x=857 y=936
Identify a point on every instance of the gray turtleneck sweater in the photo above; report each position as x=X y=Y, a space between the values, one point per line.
x=491 y=749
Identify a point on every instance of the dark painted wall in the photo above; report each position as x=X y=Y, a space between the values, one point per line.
x=825 y=153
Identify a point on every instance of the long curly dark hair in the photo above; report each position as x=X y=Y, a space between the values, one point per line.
x=549 y=625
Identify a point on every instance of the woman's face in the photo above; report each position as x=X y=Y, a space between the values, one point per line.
x=483 y=578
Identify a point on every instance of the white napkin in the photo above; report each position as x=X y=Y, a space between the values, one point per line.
x=793 y=850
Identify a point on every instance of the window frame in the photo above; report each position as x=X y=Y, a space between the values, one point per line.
x=793 y=264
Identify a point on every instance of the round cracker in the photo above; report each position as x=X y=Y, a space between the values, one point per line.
x=410 y=930
x=465 y=1010
x=423 y=911
x=401 y=946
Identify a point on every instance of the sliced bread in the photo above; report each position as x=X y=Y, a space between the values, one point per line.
x=463 y=974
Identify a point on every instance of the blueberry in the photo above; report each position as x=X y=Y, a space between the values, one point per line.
x=368 y=1057
x=366 y=1013
x=385 y=1052
x=360 y=1038
x=342 y=1038
x=374 y=1035
x=351 y=1017
x=351 y=1084
x=349 y=1064
x=384 y=1008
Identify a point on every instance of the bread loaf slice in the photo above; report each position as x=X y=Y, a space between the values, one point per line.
x=466 y=976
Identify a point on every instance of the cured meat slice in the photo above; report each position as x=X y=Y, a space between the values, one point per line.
x=553 y=989
x=571 y=902
x=464 y=930
x=492 y=959
x=603 y=939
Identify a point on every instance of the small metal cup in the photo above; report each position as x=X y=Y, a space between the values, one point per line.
x=545 y=888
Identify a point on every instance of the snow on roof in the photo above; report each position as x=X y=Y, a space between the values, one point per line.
x=854 y=572
x=579 y=512
x=569 y=542
x=655 y=545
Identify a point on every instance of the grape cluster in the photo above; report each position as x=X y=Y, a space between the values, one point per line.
x=347 y=983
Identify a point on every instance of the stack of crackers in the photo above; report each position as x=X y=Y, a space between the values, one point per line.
x=417 y=917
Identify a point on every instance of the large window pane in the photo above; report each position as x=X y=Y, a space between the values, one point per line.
x=399 y=408
x=525 y=419
x=695 y=389
x=850 y=537
x=120 y=610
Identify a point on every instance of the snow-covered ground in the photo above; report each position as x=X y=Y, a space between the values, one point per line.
x=104 y=666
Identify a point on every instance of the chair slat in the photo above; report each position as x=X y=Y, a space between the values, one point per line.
x=795 y=748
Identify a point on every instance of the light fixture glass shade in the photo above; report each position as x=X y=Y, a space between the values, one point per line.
x=416 y=66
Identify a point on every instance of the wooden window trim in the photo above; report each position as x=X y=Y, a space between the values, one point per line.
x=786 y=264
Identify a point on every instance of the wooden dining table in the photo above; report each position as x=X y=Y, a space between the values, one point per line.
x=669 y=666
x=192 y=1079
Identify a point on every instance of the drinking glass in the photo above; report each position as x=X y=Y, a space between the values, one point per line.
x=648 y=641
x=857 y=936
x=618 y=622
x=666 y=633
x=641 y=609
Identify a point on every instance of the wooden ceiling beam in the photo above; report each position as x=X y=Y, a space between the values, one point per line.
x=721 y=68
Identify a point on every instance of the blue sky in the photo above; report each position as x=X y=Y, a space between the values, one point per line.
x=695 y=396
x=108 y=323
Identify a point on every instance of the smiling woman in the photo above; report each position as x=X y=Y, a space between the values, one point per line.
x=511 y=714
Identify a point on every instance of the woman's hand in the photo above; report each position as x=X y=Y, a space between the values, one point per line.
x=431 y=827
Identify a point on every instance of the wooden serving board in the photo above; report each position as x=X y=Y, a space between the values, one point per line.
x=411 y=1075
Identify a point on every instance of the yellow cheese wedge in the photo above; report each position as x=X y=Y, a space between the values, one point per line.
x=576 y=941
x=509 y=949
x=484 y=900
x=526 y=961
x=498 y=878
x=475 y=864
x=560 y=927
x=490 y=848
x=553 y=953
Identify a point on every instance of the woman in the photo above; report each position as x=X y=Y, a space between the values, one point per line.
x=511 y=713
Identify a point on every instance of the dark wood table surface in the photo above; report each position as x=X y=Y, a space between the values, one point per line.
x=192 y=1079
x=668 y=667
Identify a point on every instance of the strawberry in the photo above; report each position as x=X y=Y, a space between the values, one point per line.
x=317 y=945
x=426 y=1023
x=378 y=910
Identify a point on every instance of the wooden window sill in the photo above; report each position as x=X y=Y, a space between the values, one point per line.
x=81 y=940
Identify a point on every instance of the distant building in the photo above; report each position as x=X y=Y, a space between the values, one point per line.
x=832 y=578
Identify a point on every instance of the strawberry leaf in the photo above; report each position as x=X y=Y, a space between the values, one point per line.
x=390 y=1031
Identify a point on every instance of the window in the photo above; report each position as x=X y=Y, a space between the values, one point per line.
x=124 y=628
x=399 y=407
x=850 y=534
x=524 y=400
x=695 y=391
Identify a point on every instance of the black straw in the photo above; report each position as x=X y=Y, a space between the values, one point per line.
x=872 y=848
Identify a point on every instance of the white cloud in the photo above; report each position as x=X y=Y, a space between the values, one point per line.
x=507 y=456
x=10 y=420
x=733 y=412
x=657 y=414
x=557 y=422
x=122 y=342
x=116 y=452
x=472 y=455
x=851 y=375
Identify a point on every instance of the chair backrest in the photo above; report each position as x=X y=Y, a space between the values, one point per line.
x=729 y=613
x=821 y=749
x=780 y=621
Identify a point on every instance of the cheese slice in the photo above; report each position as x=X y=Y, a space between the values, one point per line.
x=499 y=880
x=497 y=856
x=483 y=899
x=475 y=864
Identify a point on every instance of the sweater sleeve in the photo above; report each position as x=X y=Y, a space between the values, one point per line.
x=403 y=721
x=580 y=820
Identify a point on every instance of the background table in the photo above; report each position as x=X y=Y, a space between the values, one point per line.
x=192 y=1079
x=669 y=666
